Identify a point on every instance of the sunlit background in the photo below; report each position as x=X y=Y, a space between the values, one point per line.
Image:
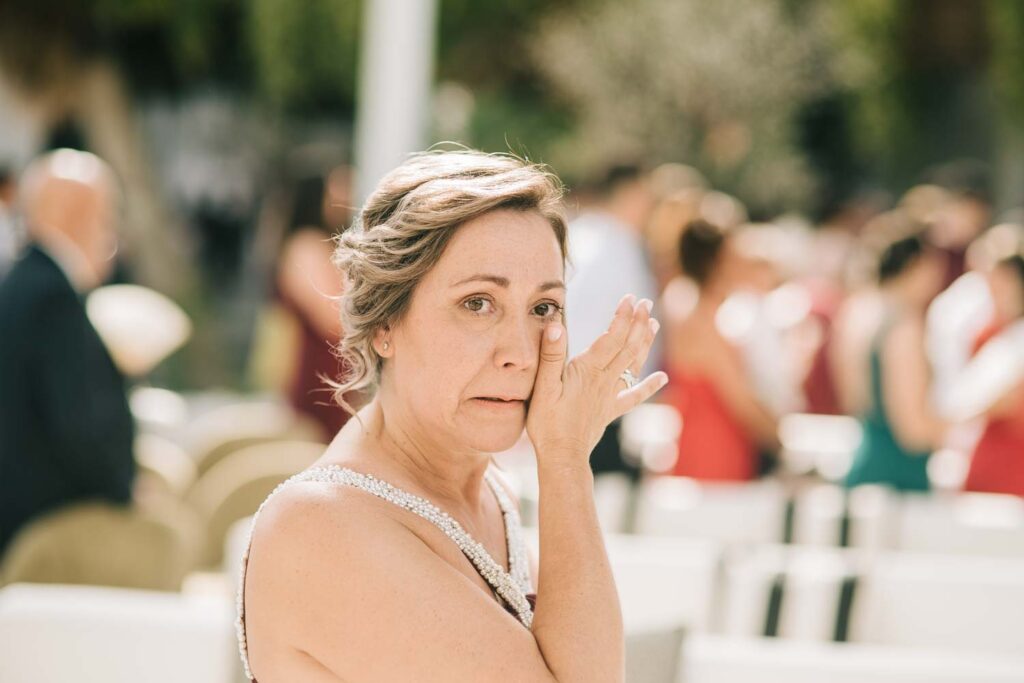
x=808 y=136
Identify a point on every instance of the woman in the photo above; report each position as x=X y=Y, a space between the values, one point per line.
x=997 y=465
x=900 y=428
x=453 y=311
x=308 y=287
x=724 y=422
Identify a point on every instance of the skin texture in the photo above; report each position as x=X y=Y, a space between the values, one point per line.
x=346 y=587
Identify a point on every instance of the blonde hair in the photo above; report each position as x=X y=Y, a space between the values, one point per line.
x=405 y=226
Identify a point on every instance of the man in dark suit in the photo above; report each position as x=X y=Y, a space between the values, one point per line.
x=66 y=432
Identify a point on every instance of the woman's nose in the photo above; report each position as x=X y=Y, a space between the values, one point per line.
x=518 y=343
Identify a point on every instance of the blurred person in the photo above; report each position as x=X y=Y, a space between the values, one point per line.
x=960 y=314
x=831 y=247
x=900 y=426
x=609 y=260
x=453 y=314
x=9 y=240
x=724 y=422
x=767 y=318
x=997 y=463
x=66 y=431
x=671 y=215
x=309 y=287
x=964 y=212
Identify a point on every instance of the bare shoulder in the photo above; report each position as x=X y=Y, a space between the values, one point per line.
x=313 y=550
x=336 y=579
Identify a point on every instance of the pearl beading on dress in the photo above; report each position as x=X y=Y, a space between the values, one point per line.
x=511 y=586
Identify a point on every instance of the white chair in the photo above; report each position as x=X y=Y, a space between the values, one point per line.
x=809 y=579
x=54 y=634
x=663 y=583
x=731 y=513
x=818 y=515
x=941 y=601
x=653 y=654
x=967 y=524
x=871 y=514
x=714 y=659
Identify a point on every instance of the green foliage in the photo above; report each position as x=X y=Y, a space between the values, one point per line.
x=714 y=84
x=1006 y=68
x=305 y=53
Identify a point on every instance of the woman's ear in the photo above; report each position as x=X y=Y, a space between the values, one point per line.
x=382 y=342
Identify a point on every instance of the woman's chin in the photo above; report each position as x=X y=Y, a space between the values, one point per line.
x=495 y=438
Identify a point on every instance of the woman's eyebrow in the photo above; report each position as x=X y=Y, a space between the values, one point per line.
x=504 y=282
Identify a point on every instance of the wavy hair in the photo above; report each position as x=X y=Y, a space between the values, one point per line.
x=403 y=229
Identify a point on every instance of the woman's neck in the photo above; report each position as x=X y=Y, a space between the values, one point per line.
x=449 y=476
x=899 y=297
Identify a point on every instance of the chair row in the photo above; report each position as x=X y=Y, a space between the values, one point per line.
x=821 y=594
x=162 y=538
x=766 y=511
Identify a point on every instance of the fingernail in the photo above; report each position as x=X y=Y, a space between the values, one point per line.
x=645 y=303
x=655 y=326
x=554 y=332
x=628 y=303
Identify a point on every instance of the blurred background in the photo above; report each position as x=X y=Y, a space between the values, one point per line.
x=825 y=200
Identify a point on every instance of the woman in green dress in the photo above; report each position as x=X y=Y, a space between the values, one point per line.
x=900 y=428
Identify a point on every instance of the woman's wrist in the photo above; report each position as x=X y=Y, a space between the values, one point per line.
x=563 y=465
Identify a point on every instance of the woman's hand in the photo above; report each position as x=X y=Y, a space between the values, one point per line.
x=573 y=404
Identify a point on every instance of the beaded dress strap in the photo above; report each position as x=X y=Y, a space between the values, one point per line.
x=512 y=586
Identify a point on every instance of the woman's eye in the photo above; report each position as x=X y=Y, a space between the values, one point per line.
x=547 y=309
x=476 y=305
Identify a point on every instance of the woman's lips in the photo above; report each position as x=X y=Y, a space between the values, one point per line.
x=498 y=404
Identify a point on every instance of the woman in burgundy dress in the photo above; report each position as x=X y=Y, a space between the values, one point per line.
x=308 y=287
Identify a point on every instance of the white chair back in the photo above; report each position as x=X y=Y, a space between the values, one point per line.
x=56 y=633
x=731 y=513
x=941 y=601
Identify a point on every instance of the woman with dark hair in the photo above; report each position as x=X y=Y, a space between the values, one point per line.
x=308 y=287
x=997 y=465
x=724 y=422
x=900 y=429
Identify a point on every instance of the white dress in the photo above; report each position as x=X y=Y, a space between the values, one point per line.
x=511 y=587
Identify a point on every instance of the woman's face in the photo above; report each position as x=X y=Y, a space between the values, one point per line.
x=464 y=358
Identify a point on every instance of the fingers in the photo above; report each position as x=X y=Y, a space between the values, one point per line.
x=552 y=362
x=631 y=398
x=638 y=363
x=638 y=341
x=604 y=348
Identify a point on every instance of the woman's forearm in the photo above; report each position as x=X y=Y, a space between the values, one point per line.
x=578 y=621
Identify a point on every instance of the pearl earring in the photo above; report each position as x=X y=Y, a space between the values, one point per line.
x=386 y=345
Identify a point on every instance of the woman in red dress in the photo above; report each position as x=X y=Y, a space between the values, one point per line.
x=997 y=465
x=725 y=425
